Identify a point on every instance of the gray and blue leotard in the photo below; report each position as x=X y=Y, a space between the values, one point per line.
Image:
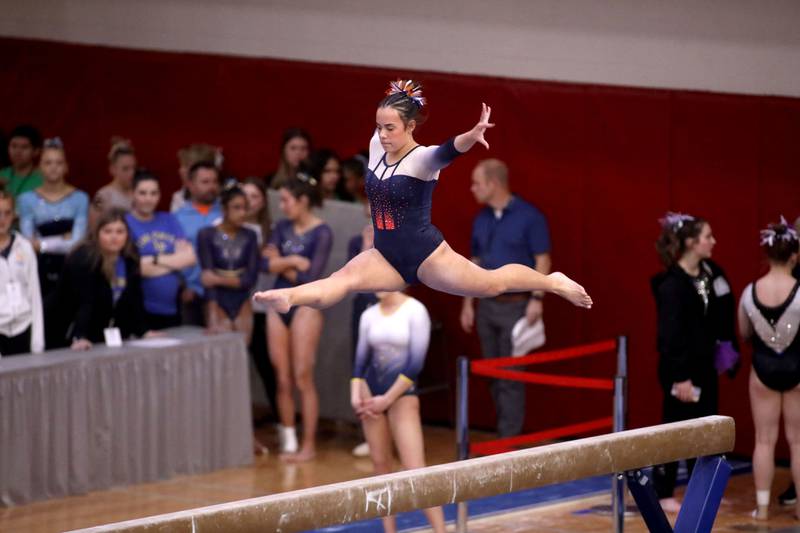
x=392 y=346
x=400 y=198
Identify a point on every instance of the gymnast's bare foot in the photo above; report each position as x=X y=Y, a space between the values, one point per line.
x=571 y=291
x=670 y=505
x=259 y=448
x=277 y=299
x=303 y=456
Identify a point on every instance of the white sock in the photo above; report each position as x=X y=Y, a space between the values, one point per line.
x=762 y=498
x=288 y=438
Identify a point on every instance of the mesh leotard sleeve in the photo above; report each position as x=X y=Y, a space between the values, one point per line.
x=247 y=279
x=274 y=240
x=205 y=256
x=319 y=258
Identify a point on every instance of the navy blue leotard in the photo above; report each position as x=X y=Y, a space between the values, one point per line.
x=228 y=256
x=315 y=245
x=400 y=197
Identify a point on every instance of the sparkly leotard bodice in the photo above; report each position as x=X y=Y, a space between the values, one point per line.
x=400 y=197
x=776 y=344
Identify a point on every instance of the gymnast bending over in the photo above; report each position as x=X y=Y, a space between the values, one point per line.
x=408 y=248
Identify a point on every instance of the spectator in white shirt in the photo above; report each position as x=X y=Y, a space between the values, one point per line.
x=21 y=322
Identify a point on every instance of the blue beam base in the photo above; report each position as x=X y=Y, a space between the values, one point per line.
x=700 y=504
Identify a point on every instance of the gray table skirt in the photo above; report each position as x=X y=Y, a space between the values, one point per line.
x=77 y=422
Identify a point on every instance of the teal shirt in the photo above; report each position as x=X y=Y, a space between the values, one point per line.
x=17 y=184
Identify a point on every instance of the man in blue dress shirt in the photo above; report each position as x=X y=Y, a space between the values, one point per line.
x=201 y=210
x=507 y=230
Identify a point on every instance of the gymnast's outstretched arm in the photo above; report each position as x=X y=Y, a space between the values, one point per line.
x=467 y=140
x=436 y=158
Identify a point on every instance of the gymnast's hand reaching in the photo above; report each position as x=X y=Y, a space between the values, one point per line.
x=467 y=140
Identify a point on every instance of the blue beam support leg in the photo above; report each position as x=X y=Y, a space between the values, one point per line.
x=700 y=504
x=703 y=495
x=641 y=487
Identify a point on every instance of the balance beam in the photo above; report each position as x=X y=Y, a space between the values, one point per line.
x=399 y=492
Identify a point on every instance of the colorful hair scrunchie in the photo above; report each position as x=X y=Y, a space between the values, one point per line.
x=409 y=88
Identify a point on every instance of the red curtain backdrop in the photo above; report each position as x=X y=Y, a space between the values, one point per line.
x=603 y=163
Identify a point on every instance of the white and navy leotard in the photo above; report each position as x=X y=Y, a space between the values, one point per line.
x=400 y=198
x=392 y=346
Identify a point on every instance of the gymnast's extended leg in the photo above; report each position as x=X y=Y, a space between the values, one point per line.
x=447 y=271
x=369 y=271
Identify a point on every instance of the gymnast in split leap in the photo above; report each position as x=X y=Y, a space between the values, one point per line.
x=408 y=248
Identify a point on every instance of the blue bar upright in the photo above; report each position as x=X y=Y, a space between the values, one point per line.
x=703 y=495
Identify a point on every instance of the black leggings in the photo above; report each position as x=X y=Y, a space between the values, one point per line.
x=156 y=322
x=16 y=345
x=260 y=354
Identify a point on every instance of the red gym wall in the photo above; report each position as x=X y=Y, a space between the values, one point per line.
x=603 y=163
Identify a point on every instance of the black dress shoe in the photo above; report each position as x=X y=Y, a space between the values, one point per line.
x=789 y=496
